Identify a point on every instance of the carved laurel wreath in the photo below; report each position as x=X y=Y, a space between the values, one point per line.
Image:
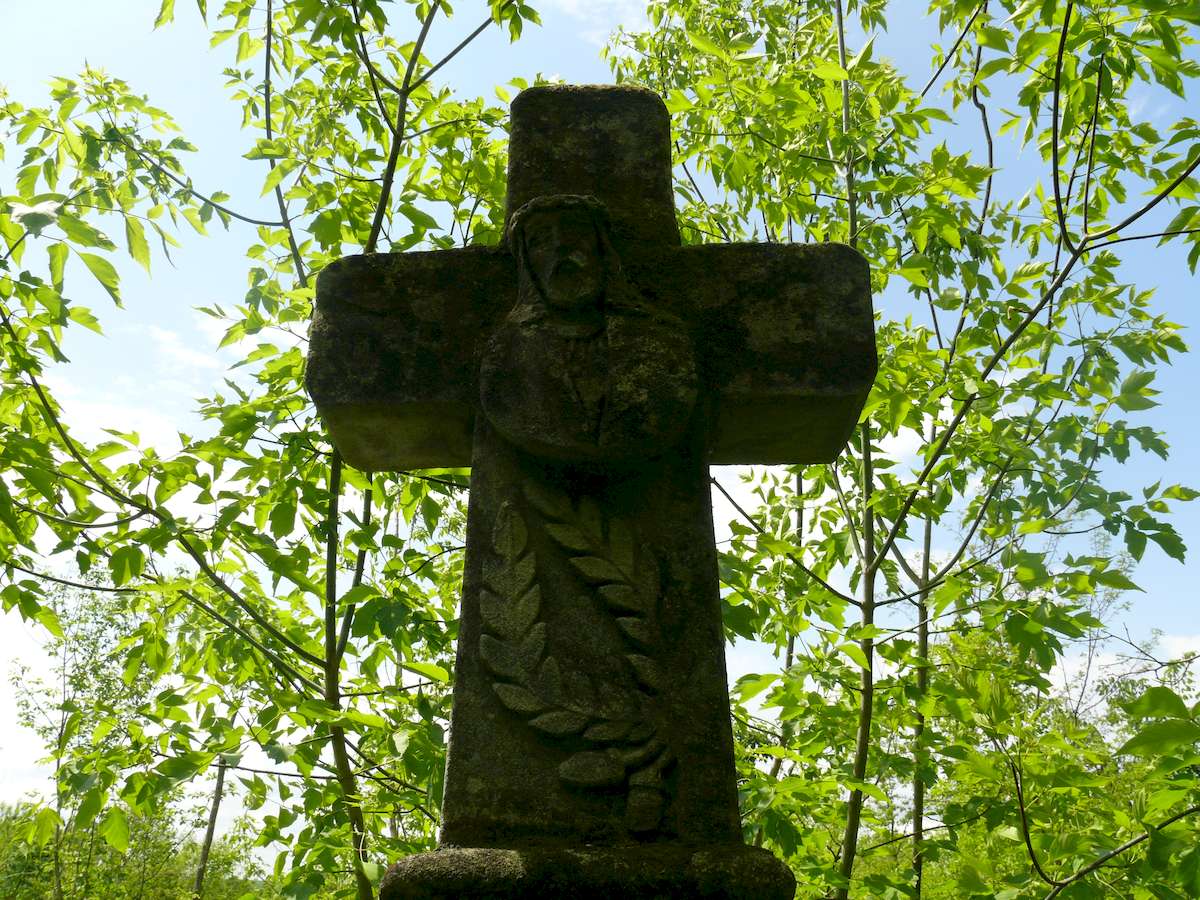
x=618 y=721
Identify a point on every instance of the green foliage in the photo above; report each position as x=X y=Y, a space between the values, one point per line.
x=159 y=861
x=1015 y=360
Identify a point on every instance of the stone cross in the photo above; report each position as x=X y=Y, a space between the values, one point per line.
x=589 y=372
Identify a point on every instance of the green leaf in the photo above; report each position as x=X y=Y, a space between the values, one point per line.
x=1157 y=702
x=83 y=234
x=750 y=686
x=1161 y=737
x=89 y=806
x=704 y=44
x=166 y=13
x=1114 y=579
x=104 y=272
x=135 y=239
x=429 y=670
x=418 y=217
x=45 y=824
x=828 y=70
x=277 y=173
x=58 y=254
x=327 y=228
x=115 y=829
x=855 y=652
x=914 y=275
x=125 y=564
x=247 y=46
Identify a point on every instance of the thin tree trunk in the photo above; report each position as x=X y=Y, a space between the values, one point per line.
x=60 y=746
x=206 y=847
x=333 y=697
x=918 y=785
x=866 y=706
x=87 y=869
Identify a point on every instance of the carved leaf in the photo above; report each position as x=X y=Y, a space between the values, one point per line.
x=651 y=776
x=569 y=536
x=640 y=732
x=621 y=702
x=549 y=683
x=549 y=502
x=509 y=536
x=596 y=569
x=639 y=756
x=495 y=611
x=647 y=671
x=591 y=522
x=499 y=657
x=518 y=699
x=560 y=722
x=524 y=611
x=529 y=653
x=514 y=578
x=621 y=597
x=621 y=546
x=637 y=630
x=580 y=690
x=592 y=770
x=608 y=732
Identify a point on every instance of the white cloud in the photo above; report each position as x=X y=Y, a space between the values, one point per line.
x=174 y=353
x=1176 y=646
x=600 y=18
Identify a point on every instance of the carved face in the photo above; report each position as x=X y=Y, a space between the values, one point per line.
x=563 y=251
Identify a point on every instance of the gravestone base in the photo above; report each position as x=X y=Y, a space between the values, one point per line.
x=649 y=872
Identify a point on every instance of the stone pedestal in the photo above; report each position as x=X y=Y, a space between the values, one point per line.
x=654 y=872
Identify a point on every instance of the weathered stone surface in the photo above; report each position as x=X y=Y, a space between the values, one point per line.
x=660 y=872
x=610 y=143
x=782 y=333
x=589 y=373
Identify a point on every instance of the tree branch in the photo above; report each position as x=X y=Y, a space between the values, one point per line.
x=293 y=247
x=405 y=92
x=791 y=556
x=1058 y=203
x=359 y=567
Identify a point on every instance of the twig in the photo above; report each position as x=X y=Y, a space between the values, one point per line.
x=359 y=566
x=987 y=135
x=66 y=582
x=1140 y=237
x=1016 y=774
x=791 y=556
x=405 y=92
x=195 y=193
x=283 y=213
x=1058 y=204
x=1153 y=202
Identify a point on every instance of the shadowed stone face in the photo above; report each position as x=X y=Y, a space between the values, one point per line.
x=562 y=251
x=588 y=374
x=583 y=369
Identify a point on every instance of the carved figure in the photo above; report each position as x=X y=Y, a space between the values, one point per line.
x=583 y=369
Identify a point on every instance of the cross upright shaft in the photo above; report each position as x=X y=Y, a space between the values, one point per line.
x=589 y=373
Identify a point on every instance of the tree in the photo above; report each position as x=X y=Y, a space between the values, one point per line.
x=87 y=714
x=1019 y=366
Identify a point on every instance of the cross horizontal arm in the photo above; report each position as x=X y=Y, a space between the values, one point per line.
x=392 y=352
x=783 y=334
x=785 y=339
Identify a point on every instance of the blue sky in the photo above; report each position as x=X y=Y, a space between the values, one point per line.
x=159 y=354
